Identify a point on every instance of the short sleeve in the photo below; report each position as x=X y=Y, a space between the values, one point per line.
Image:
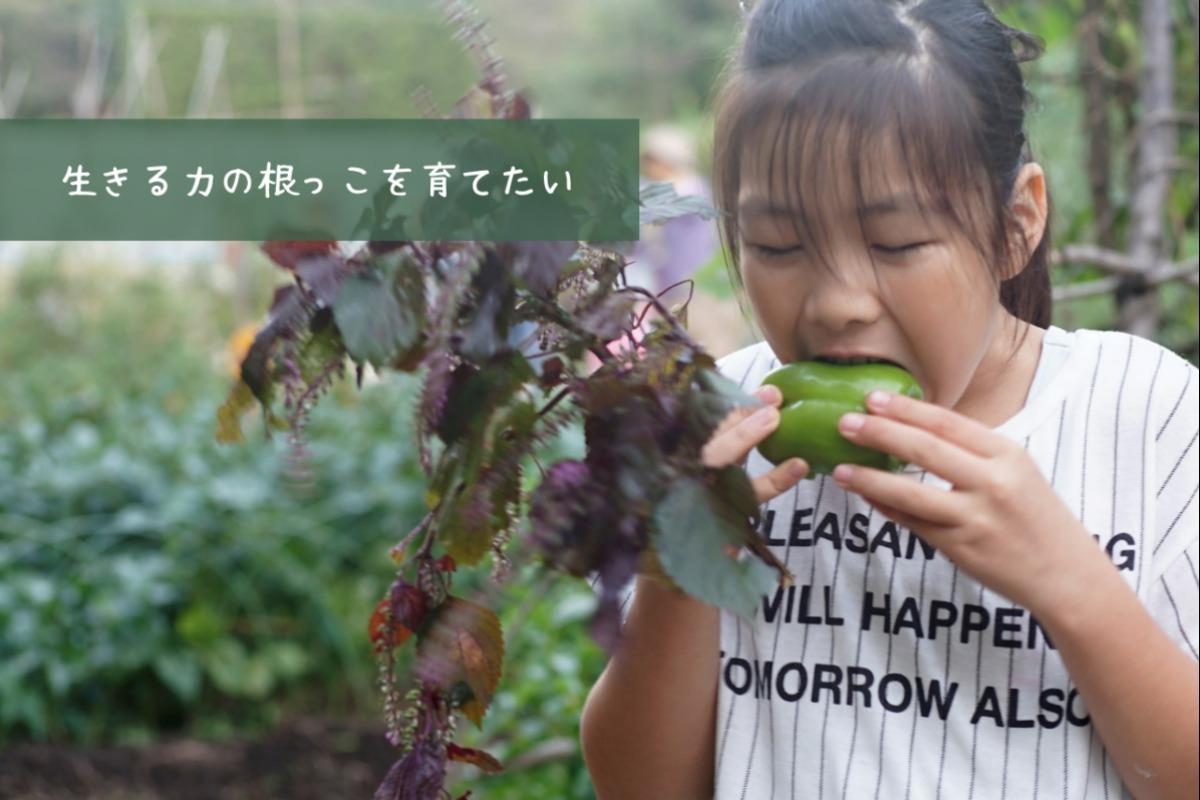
x=1174 y=592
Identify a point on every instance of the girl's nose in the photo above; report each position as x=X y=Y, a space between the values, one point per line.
x=843 y=299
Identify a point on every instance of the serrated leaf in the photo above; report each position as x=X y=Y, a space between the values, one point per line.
x=417 y=776
x=713 y=397
x=289 y=315
x=401 y=612
x=733 y=494
x=323 y=275
x=713 y=381
x=486 y=502
x=466 y=532
x=374 y=324
x=475 y=665
x=733 y=483
x=608 y=317
x=538 y=265
x=689 y=534
x=464 y=643
x=321 y=346
x=475 y=392
x=486 y=331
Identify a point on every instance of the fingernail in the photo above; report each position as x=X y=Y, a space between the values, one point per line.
x=878 y=398
x=842 y=472
x=850 y=423
x=766 y=392
x=765 y=417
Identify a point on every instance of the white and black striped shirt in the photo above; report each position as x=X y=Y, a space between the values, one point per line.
x=886 y=673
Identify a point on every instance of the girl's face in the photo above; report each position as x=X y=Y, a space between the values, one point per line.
x=930 y=304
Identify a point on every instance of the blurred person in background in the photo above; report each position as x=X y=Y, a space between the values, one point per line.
x=670 y=252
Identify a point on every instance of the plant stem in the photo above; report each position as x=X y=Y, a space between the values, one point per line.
x=554 y=401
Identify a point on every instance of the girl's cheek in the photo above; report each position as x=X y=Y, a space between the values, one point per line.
x=757 y=286
x=773 y=296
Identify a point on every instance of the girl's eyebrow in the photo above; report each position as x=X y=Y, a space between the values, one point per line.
x=760 y=207
x=891 y=205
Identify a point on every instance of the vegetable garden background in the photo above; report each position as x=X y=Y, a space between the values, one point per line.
x=180 y=618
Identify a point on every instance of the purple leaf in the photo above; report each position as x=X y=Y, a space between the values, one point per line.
x=538 y=264
x=289 y=254
x=289 y=313
x=417 y=776
x=323 y=276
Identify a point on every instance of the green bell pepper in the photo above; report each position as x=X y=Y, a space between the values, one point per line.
x=815 y=396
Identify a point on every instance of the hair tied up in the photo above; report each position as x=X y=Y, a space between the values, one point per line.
x=1026 y=46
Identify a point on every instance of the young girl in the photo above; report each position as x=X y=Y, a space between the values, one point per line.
x=1014 y=615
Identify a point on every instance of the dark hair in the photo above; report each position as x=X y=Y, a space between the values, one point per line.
x=936 y=80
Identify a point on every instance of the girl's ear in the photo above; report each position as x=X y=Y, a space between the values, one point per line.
x=1028 y=209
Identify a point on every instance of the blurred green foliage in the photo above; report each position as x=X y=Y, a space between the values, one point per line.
x=1059 y=135
x=148 y=575
x=153 y=580
x=358 y=59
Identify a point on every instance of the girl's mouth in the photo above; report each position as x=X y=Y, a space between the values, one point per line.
x=856 y=360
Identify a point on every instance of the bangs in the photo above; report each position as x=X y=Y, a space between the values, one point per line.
x=849 y=134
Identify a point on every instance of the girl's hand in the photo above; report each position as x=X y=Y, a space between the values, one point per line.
x=732 y=440
x=1001 y=522
x=738 y=434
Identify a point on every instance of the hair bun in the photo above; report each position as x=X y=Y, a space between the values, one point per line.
x=1026 y=46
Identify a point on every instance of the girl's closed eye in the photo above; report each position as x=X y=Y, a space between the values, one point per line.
x=771 y=251
x=897 y=249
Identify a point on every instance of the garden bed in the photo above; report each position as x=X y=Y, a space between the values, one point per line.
x=301 y=760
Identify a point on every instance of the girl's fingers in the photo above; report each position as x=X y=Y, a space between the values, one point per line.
x=907 y=520
x=916 y=445
x=768 y=394
x=969 y=434
x=901 y=493
x=779 y=479
x=735 y=443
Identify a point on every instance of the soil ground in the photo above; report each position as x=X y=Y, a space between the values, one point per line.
x=305 y=759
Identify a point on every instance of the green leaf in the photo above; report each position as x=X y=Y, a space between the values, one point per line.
x=476 y=392
x=466 y=530
x=724 y=388
x=734 y=485
x=376 y=325
x=318 y=349
x=689 y=532
x=485 y=504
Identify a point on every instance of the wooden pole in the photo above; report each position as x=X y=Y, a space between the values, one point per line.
x=1137 y=300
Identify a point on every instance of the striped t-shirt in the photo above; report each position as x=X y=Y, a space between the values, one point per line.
x=887 y=673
